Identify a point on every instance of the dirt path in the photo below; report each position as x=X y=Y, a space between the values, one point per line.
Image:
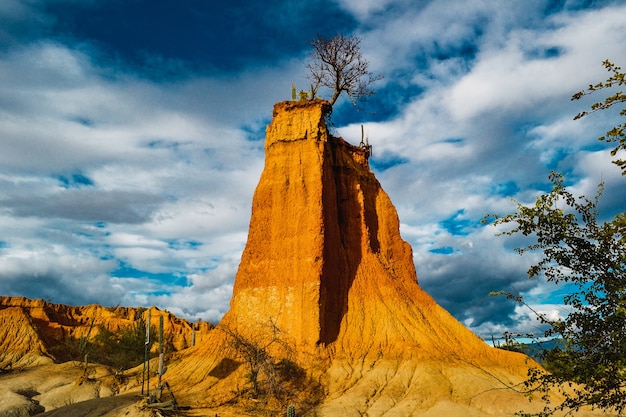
x=93 y=408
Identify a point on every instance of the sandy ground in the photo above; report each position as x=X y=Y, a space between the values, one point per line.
x=63 y=390
x=34 y=390
x=97 y=407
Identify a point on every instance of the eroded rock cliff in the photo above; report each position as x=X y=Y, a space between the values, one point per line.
x=325 y=265
x=325 y=260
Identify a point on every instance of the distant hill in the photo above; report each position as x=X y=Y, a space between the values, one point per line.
x=533 y=349
x=34 y=332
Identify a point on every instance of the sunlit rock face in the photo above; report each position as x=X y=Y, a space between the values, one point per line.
x=325 y=269
x=325 y=260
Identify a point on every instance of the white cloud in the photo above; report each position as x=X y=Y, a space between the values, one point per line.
x=208 y=295
x=363 y=9
x=158 y=149
x=509 y=117
x=519 y=76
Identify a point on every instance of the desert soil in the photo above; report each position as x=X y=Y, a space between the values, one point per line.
x=98 y=407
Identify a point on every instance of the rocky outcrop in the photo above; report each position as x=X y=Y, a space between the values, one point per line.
x=20 y=342
x=35 y=331
x=325 y=265
x=325 y=260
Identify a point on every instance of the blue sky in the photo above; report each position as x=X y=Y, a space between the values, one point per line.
x=131 y=138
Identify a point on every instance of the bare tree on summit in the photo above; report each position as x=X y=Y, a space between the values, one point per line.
x=338 y=64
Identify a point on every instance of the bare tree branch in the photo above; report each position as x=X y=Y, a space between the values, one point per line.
x=338 y=64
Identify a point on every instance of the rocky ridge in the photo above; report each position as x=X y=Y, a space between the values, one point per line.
x=32 y=331
x=36 y=340
x=327 y=286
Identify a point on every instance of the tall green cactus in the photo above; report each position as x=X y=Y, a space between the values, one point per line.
x=291 y=411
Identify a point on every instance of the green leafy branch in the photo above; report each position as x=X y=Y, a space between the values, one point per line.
x=589 y=366
x=617 y=133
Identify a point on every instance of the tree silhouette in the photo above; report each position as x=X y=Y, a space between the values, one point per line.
x=338 y=64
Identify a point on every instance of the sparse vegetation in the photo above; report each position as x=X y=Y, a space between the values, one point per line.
x=590 y=255
x=510 y=341
x=123 y=349
x=263 y=366
x=120 y=350
x=273 y=378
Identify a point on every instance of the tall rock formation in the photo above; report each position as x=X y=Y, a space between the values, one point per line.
x=325 y=260
x=325 y=264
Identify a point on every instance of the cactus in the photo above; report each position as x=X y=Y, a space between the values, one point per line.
x=291 y=411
